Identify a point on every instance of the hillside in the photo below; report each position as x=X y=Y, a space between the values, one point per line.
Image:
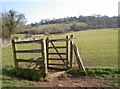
x=65 y=25
x=53 y=28
x=98 y=48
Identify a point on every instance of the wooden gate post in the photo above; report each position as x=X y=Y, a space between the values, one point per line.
x=14 y=54
x=43 y=44
x=71 y=50
x=67 y=51
x=47 y=44
x=78 y=58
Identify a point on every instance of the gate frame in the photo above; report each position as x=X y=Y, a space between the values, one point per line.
x=43 y=60
x=67 y=51
x=45 y=52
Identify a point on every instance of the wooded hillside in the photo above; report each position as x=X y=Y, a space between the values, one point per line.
x=64 y=25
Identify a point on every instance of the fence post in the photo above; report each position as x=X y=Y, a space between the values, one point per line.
x=71 y=50
x=67 y=52
x=43 y=44
x=14 y=54
x=79 y=61
x=47 y=44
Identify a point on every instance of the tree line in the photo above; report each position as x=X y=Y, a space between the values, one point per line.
x=65 y=25
x=12 y=20
x=94 y=21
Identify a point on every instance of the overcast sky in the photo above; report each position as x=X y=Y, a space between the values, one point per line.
x=35 y=10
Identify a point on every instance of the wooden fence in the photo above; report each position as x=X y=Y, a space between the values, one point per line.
x=44 y=60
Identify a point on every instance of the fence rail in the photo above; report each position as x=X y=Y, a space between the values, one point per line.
x=29 y=51
x=25 y=42
x=59 y=40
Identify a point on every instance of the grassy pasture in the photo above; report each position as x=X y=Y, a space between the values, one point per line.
x=61 y=26
x=98 y=48
x=51 y=29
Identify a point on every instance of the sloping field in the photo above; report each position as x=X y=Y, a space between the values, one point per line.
x=98 y=48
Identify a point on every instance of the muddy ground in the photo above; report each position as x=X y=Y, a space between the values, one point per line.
x=76 y=81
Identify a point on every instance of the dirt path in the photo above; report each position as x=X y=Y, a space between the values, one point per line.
x=74 y=81
x=55 y=74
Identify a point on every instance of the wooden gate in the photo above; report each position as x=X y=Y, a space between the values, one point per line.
x=60 y=60
x=54 y=53
x=40 y=62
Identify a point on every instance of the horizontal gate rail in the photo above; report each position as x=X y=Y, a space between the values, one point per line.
x=59 y=40
x=29 y=51
x=23 y=60
x=25 y=42
x=57 y=47
x=56 y=59
x=30 y=60
x=57 y=64
x=56 y=53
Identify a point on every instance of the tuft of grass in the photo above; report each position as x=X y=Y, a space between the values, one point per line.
x=94 y=71
x=33 y=75
x=62 y=76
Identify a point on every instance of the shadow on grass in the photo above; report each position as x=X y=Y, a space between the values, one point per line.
x=33 y=75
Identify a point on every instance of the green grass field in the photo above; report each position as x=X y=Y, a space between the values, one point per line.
x=61 y=25
x=98 y=48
